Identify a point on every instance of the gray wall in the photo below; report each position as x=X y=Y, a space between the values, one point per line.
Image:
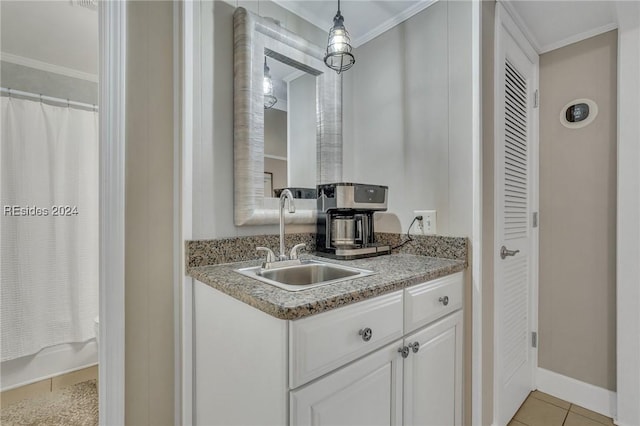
x=275 y=143
x=279 y=170
x=40 y=82
x=275 y=132
x=149 y=303
x=577 y=309
x=407 y=118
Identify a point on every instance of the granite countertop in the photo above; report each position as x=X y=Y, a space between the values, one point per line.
x=392 y=272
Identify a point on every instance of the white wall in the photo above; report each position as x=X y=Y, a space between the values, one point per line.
x=212 y=158
x=408 y=118
x=628 y=267
x=302 y=167
x=57 y=33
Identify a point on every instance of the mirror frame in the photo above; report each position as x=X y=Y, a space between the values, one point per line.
x=253 y=38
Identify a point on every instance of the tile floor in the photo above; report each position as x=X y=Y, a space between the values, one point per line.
x=48 y=385
x=541 y=409
x=70 y=399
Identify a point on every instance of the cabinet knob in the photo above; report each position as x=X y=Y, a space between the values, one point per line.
x=404 y=351
x=444 y=300
x=366 y=334
x=415 y=347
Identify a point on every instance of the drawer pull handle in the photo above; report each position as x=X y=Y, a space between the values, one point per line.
x=404 y=351
x=366 y=334
x=444 y=300
x=415 y=347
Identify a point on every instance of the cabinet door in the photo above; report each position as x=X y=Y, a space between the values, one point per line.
x=367 y=392
x=433 y=374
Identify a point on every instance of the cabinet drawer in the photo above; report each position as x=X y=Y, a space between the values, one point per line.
x=429 y=301
x=324 y=342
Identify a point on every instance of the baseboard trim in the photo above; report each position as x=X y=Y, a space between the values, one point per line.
x=49 y=362
x=591 y=397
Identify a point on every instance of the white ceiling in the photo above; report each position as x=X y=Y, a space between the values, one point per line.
x=64 y=34
x=554 y=24
x=363 y=19
x=60 y=33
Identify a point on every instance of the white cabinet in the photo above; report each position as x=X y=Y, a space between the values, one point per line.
x=426 y=302
x=345 y=366
x=367 y=392
x=321 y=343
x=383 y=388
x=433 y=374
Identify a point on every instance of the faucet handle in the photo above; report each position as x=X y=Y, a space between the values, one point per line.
x=271 y=257
x=295 y=249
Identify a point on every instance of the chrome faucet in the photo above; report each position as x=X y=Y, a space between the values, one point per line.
x=282 y=259
x=284 y=196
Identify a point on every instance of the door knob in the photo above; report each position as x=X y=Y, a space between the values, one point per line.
x=415 y=347
x=444 y=300
x=504 y=252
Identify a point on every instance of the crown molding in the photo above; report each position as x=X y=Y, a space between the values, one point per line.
x=393 y=21
x=578 y=37
x=325 y=22
x=540 y=49
x=45 y=66
x=520 y=23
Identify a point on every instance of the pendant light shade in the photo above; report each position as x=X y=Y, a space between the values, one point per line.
x=339 y=56
x=267 y=87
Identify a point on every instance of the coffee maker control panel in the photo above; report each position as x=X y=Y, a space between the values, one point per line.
x=354 y=196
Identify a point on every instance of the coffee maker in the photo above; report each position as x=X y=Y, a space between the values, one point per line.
x=344 y=227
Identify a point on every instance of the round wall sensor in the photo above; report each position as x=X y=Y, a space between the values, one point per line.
x=578 y=113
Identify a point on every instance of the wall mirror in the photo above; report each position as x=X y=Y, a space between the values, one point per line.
x=290 y=130
x=296 y=144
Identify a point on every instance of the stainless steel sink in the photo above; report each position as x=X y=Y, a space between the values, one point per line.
x=308 y=274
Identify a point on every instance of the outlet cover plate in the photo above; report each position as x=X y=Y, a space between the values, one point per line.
x=428 y=225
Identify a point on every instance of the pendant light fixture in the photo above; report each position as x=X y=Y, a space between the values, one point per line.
x=267 y=87
x=339 y=56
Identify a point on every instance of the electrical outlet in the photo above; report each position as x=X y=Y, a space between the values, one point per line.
x=428 y=224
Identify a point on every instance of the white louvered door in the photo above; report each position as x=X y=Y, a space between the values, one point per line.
x=514 y=184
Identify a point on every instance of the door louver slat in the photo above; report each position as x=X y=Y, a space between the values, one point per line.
x=515 y=155
x=515 y=300
x=516 y=219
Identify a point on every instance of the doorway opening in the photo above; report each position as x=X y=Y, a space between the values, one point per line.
x=50 y=221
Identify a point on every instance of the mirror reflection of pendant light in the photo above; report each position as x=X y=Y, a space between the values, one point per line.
x=339 y=56
x=267 y=87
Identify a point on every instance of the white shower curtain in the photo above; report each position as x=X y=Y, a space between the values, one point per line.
x=49 y=275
